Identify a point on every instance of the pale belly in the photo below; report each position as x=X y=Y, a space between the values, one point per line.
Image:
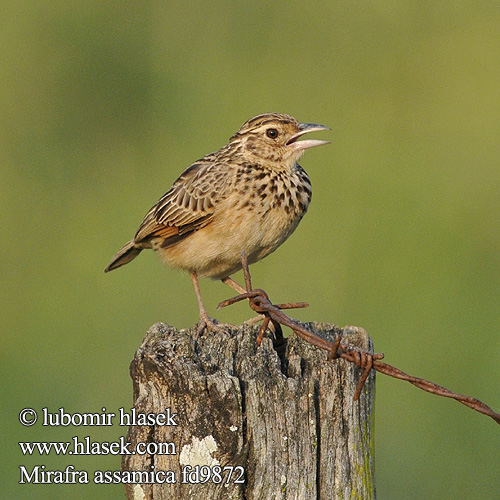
x=214 y=251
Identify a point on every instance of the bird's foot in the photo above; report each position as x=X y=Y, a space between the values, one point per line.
x=253 y=321
x=212 y=325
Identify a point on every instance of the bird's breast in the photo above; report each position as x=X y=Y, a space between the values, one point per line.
x=255 y=217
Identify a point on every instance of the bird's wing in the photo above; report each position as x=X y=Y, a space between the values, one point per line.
x=187 y=206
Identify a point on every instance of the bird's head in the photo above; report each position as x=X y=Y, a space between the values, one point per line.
x=271 y=139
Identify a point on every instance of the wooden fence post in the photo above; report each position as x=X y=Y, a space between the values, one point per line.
x=252 y=425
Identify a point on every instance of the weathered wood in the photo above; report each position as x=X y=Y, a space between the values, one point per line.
x=291 y=424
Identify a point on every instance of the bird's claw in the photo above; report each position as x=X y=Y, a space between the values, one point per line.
x=212 y=325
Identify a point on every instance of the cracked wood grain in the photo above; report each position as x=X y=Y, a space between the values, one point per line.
x=291 y=423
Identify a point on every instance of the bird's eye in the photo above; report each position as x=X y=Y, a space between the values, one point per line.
x=272 y=133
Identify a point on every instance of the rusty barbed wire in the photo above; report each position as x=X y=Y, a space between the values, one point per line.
x=260 y=303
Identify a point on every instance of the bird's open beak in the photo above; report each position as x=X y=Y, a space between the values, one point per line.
x=305 y=128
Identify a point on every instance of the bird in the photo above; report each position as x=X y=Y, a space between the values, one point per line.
x=249 y=196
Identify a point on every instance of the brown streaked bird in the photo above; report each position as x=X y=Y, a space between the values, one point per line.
x=248 y=196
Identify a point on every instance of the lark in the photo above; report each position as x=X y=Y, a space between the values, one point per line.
x=248 y=196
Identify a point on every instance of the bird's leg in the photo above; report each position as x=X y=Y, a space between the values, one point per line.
x=236 y=286
x=205 y=319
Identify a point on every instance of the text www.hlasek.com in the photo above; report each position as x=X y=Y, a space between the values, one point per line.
x=88 y=447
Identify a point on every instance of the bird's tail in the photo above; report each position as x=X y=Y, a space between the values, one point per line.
x=127 y=253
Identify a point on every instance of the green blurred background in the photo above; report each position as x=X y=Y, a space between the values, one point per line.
x=104 y=103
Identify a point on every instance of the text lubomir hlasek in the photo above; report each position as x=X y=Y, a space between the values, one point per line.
x=133 y=417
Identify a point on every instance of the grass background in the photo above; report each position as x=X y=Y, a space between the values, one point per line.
x=103 y=105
